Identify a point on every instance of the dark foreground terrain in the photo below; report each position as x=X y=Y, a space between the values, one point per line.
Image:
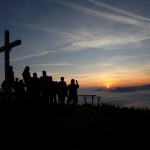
x=74 y=127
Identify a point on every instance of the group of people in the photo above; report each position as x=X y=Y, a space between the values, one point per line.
x=42 y=89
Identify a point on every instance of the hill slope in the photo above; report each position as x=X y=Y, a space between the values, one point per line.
x=76 y=127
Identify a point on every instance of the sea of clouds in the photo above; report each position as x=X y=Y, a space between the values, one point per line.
x=136 y=99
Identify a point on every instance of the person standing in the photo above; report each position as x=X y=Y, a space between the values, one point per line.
x=52 y=90
x=21 y=91
x=35 y=87
x=27 y=80
x=72 y=92
x=11 y=79
x=16 y=87
x=62 y=90
x=44 y=86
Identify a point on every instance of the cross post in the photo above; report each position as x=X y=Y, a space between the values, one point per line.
x=6 y=48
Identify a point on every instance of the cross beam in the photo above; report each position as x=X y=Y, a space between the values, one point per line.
x=6 y=48
x=11 y=45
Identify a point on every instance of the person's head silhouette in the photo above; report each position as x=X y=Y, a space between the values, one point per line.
x=62 y=78
x=44 y=73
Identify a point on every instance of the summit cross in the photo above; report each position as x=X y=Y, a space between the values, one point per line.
x=6 y=48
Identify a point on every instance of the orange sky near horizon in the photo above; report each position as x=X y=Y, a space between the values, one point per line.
x=113 y=83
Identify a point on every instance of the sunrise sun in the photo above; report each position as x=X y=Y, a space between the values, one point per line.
x=108 y=86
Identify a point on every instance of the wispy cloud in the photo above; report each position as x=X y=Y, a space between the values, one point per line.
x=108 y=42
x=83 y=75
x=111 y=41
x=120 y=11
x=129 y=18
x=55 y=64
x=57 y=32
x=82 y=40
x=32 y=55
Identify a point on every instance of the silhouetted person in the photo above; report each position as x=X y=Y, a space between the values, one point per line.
x=27 y=80
x=44 y=86
x=11 y=79
x=72 y=92
x=52 y=90
x=35 y=87
x=21 y=90
x=56 y=91
x=16 y=88
x=3 y=85
x=62 y=90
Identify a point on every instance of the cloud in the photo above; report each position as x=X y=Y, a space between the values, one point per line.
x=61 y=34
x=131 y=89
x=119 y=11
x=55 y=64
x=117 y=40
x=129 y=18
x=81 y=39
x=108 y=42
x=32 y=55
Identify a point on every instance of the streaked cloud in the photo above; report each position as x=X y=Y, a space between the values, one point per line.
x=129 y=19
x=55 y=64
x=114 y=40
x=109 y=42
x=81 y=40
x=32 y=55
x=120 y=11
x=42 y=28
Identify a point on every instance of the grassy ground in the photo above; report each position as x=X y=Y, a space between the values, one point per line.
x=75 y=127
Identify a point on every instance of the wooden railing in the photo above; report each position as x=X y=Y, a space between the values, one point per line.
x=92 y=98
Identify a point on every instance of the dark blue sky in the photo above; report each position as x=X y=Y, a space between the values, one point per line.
x=98 y=42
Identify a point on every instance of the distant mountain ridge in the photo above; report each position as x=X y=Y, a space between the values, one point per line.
x=131 y=89
x=126 y=89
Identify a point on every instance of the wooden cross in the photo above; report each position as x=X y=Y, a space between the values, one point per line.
x=6 y=48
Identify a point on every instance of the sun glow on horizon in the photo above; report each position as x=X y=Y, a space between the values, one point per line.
x=108 y=86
